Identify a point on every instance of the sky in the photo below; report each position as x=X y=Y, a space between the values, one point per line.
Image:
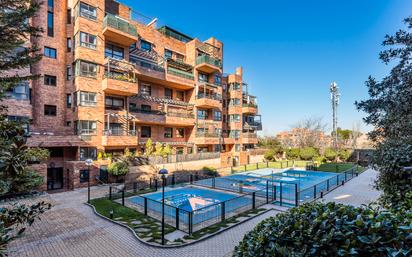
x=292 y=50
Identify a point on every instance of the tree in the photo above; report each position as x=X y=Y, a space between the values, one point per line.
x=309 y=133
x=167 y=150
x=293 y=153
x=149 y=148
x=15 y=219
x=389 y=110
x=158 y=149
x=15 y=31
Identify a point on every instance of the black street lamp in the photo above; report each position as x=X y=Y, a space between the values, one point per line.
x=88 y=162
x=163 y=173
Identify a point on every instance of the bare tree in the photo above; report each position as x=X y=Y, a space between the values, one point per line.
x=310 y=132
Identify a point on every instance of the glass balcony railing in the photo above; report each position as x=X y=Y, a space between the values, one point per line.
x=180 y=73
x=139 y=110
x=207 y=134
x=217 y=97
x=119 y=132
x=209 y=60
x=115 y=22
x=119 y=76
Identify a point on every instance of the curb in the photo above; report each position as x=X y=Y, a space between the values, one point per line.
x=181 y=245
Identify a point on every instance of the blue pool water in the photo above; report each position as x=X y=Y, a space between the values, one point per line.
x=191 y=198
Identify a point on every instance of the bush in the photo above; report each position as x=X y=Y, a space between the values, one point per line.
x=119 y=168
x=331 y=229
x=330 y=154
x=293 y=153
x=345 y=154
x=308 y=153
x=270 y=155
x=395 y=182
x=210 y=171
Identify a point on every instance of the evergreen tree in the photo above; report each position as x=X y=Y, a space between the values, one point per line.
x=15 y=33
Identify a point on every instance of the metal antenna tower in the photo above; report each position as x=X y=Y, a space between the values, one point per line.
x=334 y=96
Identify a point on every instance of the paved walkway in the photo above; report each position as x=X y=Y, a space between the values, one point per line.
x=71 y=228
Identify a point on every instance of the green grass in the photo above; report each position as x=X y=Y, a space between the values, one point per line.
x=274 y=165
x=338 y=167
x=127 y=216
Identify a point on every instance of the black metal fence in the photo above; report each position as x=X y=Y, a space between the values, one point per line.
x=247 y=194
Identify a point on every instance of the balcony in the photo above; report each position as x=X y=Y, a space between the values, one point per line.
x=207 y=138
x=118 y=30
x=210 y=101
x=119 y=137
x=180 y=74
x=119 y=84
x=148 y=64
x=253 y=125
x=249 y=138
x=208 y=64
x=180 y=118
x=148 y=116
x=249 y=108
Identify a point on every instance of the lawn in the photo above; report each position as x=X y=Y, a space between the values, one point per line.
x=145 y=227
x=338 y=167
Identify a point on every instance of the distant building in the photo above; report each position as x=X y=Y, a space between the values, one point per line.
x=302 y=137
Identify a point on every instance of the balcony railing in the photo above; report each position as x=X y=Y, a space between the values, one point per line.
x=121 y=77
x=180 y=73
x=252 y=125
x=146 y=64
x=120 y=24
x=209 y=60
x=119 y=132
x=188 y=115
x=249 y=135
x=207 y=134
x=217 y=97
x=250 y=105
x=139 y=110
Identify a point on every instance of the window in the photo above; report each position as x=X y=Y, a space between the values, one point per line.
x=189 y=150
x=146 y=108
x=84 y=175
x=234 y=134
x=69 y=16
x=50 y=110
x=217 y=115
x=235 y=86
x=87 y=99
x=50 y=24
x=50 y=80
x=50 y=4
x=218 y=79
x=50 y=52
x=86 y=69
x=145 y=89
x=234 y=118
x=86 y=127
x=113 y=51
x=88 y=11
x=179 y=150
x=168 y=54
x=237 y=147
x=88 y=153
x=180 y=132
x=68 y=123
x=168 y=93
x=180 y=57
x=180 y=95
x=68 y=72
x=56 y=152
x=87 y=40
x=202 y=114
x=68 y=100
x=114 y=103
x=234 y=101
x=203 y=77
x=146 y=132
x=20 y=92
x=218 y=148
x=69 y=44
x=145 y=46
x=168 y=133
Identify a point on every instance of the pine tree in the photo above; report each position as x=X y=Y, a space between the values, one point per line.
x=15 y=33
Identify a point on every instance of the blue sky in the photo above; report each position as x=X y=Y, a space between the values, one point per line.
x=292 y=50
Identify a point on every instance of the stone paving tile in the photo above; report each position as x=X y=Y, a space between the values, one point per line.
x=72 y=229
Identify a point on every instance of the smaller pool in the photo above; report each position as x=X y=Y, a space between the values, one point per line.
x=188 y=198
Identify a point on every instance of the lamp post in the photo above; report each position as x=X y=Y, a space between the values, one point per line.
x=163 y=173
x=88 y=162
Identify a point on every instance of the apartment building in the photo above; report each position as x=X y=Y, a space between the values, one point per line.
x=111 y=79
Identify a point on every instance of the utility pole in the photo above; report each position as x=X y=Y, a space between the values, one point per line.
x=334 y=95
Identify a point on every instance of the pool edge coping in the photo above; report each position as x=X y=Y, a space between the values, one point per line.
x=182 y=245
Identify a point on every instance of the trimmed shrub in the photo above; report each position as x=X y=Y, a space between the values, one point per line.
x=345 y=154
x=119 y=168
x=308 y=153
x=210 y=171
x=293 y=153
x=331 y=229
x=330 y=154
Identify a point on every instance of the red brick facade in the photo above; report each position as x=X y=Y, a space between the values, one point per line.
x=119 y=80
